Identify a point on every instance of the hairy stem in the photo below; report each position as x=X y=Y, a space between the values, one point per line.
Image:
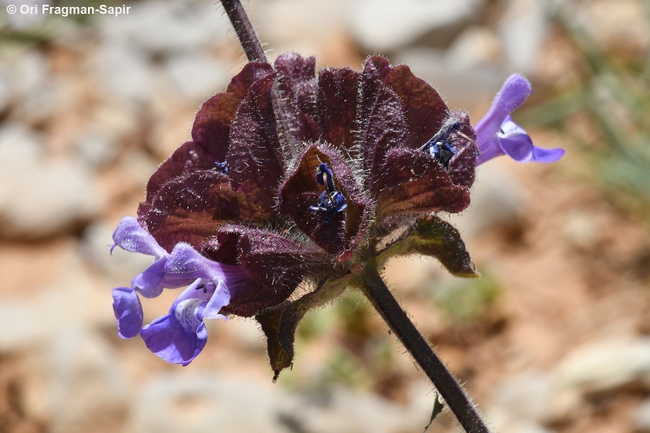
x=244 y=29
x=382 y=299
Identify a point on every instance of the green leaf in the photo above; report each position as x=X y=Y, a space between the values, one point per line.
x=437 y=408
x=280 y=323
x=436 y=238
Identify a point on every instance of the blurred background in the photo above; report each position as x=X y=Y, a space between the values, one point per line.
x=553 y=338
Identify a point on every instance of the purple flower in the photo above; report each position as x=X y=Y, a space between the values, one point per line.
x=179 y=336
x=497 y=134
x=130 y=236
x=282 y=196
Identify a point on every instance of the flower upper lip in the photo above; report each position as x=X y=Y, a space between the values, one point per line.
x=497 y=134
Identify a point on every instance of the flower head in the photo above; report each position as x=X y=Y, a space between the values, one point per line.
x=291 y=179
x=497 y=134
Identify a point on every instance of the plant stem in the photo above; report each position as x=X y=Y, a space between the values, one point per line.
x=244 y=29
x=382 y=299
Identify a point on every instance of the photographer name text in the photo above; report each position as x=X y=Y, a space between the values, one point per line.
x=65 y=11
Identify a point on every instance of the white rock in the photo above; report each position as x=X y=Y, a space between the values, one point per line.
x=197 y=76
x=476 y=47
x=526 y=395
x=581 y=229
x=197 y=402
x=641 y=417
x=20 y=143
x=73 y=302
x=88 y=387
x=96 y=148
x=523 y=29
x=501 y=419
x=40 y=198
x=42 y=102
x=136 y=168
x=340 y=410
x=605 y=365
x=115 y=118
x=385 y=25
x=26 y=81
x=304 y=26
x=532 y=397
x=161 y=27
x=27 y=71
x=123 y=72
x=186 y=401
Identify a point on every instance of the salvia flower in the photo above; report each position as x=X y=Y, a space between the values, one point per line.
x=179 y=336
x=292 y=182
x=497 y=134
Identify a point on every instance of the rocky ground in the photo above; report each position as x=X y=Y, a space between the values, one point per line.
x=554 y=338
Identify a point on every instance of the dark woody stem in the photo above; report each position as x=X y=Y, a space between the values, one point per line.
x=381 y=298
x=244 y=29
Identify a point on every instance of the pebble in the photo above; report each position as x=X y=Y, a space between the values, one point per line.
x=524 y=28
x=197 y=76
x=506 y=425
x=73 y=302
x=26 y=71
x=96 y=148
x=88 y=387
x=641 y=417
x=123 y=73
x=476 y=47
x=526 y=395
x=27 y=83
x=163 y=27
x=532 y=397
x=341 y=410
x=605 y=365
x=39 y=197
x=387 y=25
x=303 y=26
x=581 y=229
x=197 y=402
x=42 y=102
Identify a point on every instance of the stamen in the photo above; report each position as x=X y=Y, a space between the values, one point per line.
x=330 y=201
x=222 y=167
x=324 y=176
x=439 y=146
